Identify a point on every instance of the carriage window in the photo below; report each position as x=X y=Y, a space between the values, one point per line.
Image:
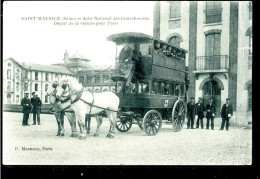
x=155 y=88
x=172 y=89
x=143 y=88
x=145 y=49
x=130 y=88
x=177 y=90
x=182 y=89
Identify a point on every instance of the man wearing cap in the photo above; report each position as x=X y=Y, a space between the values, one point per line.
x=226 y=113
x=211 y=112
x=36 y=103
x=191 y=110
x=26 y=103
x=200 y=113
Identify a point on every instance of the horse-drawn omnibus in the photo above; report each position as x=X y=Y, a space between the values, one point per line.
x=150 y=82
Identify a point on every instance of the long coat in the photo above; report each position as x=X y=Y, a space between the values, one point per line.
x=191 y=110
x=226 y=110
x=200 y=108
x=125 y=65
x=36 y=103
x=26 y=103
x=211 y=109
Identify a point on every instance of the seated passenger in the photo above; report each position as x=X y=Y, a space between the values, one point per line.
x=161 y=90
x=169 y=52
x=164 y=49
x=124 y=70
x=157 y=47
x=167 y=89
x=155 y=88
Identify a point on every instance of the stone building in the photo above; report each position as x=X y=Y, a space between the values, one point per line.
x=218 y=36
x=22 y=77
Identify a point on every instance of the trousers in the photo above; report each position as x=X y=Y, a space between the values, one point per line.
x=212 y=122
x=36 y=112
x=225 y=120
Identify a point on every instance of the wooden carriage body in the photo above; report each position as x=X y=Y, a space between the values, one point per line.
x=153 y=66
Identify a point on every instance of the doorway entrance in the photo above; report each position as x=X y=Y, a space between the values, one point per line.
x=211 y=89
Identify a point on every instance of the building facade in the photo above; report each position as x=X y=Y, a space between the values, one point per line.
x=19 y=78
x=218 y=36
x=22 y=77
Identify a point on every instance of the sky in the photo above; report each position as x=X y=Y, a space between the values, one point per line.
x=40 y=41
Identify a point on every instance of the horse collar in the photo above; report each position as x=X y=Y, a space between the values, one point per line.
x=79 y=94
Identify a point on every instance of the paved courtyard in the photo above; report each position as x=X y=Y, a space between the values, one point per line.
x=187 y=147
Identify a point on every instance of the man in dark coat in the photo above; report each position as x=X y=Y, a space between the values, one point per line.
x=36 y=103
x=26 y=103
x=200 y=113
x=226 y=113
x=191 y=111
x=211 y=112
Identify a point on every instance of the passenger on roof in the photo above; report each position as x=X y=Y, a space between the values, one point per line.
x=164 y=49
x=169 y=52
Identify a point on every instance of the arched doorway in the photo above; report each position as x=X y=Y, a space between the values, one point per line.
x=8 y=98
x=212 y=89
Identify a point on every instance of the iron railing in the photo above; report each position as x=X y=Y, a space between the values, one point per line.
x=216 y=62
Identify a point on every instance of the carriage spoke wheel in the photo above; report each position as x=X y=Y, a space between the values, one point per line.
x=152 y=122
x=178 y=115
x=140 y=122
x=124 y=124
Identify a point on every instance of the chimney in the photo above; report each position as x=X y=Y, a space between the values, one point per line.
x=66 y=57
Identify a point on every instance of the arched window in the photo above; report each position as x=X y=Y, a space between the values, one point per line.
x=46 y=98
x=17 y=86
x=175 y=40
x=25 y=86
x=17 y=99
x=9 y=85
x=8 y=74
x=18 y=74
x=97 y=90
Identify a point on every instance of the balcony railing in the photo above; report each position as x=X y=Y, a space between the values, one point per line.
x=213 y=15
x=216 y=62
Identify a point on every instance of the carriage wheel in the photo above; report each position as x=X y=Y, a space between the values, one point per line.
x=140 y=122
x=152 y=122
x=178 y=115
x=124 y=124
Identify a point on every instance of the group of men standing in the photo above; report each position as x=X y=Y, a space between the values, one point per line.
x=198 y=110
x=31 y=105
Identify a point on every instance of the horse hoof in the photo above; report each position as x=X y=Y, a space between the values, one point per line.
x=75 y=135
x=110 y=136
x=95 y=135
x=88 y=132
x=82 y=137
x=62 y=134
x=71 y=135
x=58 y=134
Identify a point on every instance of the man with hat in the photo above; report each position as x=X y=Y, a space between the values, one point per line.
x=226 y=113
x=36 y=103
x=26 y=103
x=200 y=113
x=191 y=111
x=211 y=112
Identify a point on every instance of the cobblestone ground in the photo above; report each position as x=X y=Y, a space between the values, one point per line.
x=187 y=147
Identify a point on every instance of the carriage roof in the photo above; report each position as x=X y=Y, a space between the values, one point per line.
x=136 y=37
